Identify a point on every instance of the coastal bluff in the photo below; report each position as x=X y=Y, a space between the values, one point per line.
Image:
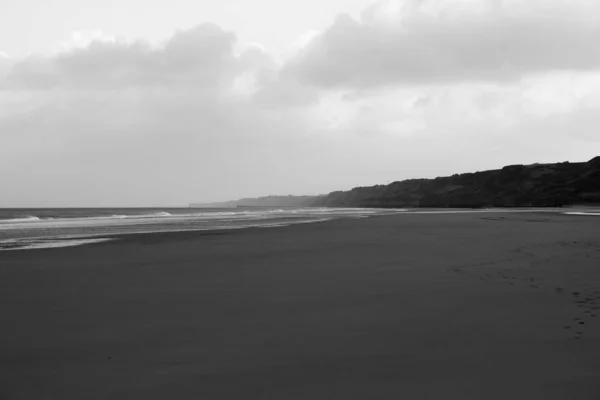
x=266 y=201
x=535 y=185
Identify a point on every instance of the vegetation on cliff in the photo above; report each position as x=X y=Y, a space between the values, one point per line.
x=539 y=185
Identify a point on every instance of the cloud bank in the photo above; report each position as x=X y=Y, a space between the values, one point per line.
x=201 y=56
x=425 y=41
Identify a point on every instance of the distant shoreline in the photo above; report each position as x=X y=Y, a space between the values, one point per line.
x=48 y=240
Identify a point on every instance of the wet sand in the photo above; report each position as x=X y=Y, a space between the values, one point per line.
x=463 y=306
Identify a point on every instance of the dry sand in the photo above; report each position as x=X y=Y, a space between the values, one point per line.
x=440 y=306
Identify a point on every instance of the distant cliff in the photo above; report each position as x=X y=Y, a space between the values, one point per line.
x=267 y=201
x=538 y=185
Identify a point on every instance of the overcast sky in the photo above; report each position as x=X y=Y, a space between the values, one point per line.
x=165 y=102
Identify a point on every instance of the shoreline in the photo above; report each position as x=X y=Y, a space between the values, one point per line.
x=54 y=241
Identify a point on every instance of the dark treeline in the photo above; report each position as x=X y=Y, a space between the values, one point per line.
x=538 y=185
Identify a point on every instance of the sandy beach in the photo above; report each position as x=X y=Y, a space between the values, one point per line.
x=415 y=306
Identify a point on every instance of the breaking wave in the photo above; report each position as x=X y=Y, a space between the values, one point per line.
x=583 y=213
x=16 y=220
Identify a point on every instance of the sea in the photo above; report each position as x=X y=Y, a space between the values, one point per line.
x=34 y=228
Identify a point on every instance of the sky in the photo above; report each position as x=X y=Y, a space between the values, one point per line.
x=163 y=103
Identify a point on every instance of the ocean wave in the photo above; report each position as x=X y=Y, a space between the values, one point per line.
x=99 y=217
x=215 y=220
x=217 y=213
x=16 y=220
x=55 y=235
x=160 y=214
x=258 y=214
x=48 y=220
x=151 y=215
x=583 y=213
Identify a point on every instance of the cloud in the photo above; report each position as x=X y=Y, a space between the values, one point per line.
x=118 y=122
x=277 y=91
x=114 y=122
x=425 y=41
x=82 y=39
x=6 y=64
x=200 y=56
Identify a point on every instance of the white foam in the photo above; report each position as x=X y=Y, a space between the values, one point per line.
x=97 y=218
x=488 y=210
x=112 y=220
x=119 y=219
x=32 y=244
x=158 y=214
x=582 y=213
x=17 y=220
